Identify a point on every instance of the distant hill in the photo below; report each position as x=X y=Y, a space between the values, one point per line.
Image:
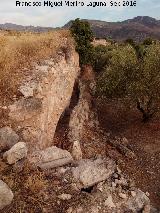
x=10 y=26
x=137 y=28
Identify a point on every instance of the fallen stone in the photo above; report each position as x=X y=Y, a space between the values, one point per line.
x=70 y=210
x=16 y=153
x=122 y=195
x=147 y=209
x=123 y=182
x=65 y=197
x=114 y=185
x=8 y=138
x=76 y=151
x=90 y=172
x=51 y=157
x=124 y=141
x=100 y=186
x=133 y=193
x=147 y=194
x=138 y=202
x=109 y=202
x=6 y=195
x=115 y=175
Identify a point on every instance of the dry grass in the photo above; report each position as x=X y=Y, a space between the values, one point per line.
x=19 y=50
x=36 y=182
x=28 y=185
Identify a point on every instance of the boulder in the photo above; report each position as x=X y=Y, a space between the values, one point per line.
x=6 y=195
x=8 y=138
x=16 y=153
x=90 y=172
x=50 y=158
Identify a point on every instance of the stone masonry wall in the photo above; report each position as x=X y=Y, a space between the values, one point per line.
x=46 y=93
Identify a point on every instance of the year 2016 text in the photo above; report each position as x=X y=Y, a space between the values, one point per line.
x=123 y=3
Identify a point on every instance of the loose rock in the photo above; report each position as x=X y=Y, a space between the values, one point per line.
x=6 y=195
x=65 y=197
x=109 y=202
x=147 y=209
x=76 y=151
x=8 y=138
x=137 y=203
x=16 y=153
x=50 y=158
x=90 y=172
x=122 y=195
x=133 y=193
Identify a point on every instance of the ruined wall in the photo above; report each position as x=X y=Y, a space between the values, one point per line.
x=46 y=92
x=83 y=110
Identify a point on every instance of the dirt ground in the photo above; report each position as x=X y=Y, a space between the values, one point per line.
x=144 y=141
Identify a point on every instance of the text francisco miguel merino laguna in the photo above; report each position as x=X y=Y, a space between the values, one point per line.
x=72 y=3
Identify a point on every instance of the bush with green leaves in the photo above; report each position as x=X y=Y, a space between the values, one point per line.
x=132 y=80
x=101 y=57
x=83 y=36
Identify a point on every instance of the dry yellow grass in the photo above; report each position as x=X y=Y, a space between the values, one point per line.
x=36 y=182
x=19 y=50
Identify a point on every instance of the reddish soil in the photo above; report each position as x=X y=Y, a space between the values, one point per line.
x=144 y=141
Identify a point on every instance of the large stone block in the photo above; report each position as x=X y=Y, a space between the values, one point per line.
x=90 y=172
x=50 y=158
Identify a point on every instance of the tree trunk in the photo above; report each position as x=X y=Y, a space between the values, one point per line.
x=146 y=115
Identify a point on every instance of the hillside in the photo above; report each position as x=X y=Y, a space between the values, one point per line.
x=10 y=26
x=137 y=28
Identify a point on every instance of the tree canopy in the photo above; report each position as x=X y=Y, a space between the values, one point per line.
x=135 y=80
x=83 y=36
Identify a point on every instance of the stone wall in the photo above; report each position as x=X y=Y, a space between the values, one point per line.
x=46 y=92
x=83 y=110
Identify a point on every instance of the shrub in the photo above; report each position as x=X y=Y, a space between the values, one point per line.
x=101 y=57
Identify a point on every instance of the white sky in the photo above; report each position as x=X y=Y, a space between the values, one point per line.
x=58 y=16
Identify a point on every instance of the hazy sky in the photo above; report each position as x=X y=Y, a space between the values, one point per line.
x=58 y=16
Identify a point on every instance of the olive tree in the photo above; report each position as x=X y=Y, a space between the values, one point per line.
x=83 y=36
x=133 y=80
